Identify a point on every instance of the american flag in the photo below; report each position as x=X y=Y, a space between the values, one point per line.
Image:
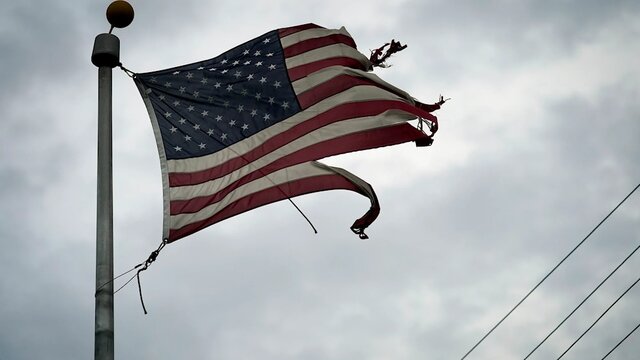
x=244 y=129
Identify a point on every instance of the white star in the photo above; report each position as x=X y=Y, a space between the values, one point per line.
x=167 y=114
x=258 y=96
x=213 y=69
x=154 y=79
x=217 y=85
x=247 y=62
x=224 y=71
x=272 y=67
x=259 y=63
x=162 y=97
x=196 y=127
x=226 y=103
x=266 y=41
x=250 y=77
x=263 y=80
x=277 y=84
x=210 y=132
x=205 y=113
x=257 y=53
x=167 y=84
x=244 y=92
x=241 y=108
x=246 y=52
x=182 y=89
x=272 y=100
x=196 y=94
x=235 y=63
x=245 y=127
x=269 y=54
x=176 y=72
x=191 y=108
x=176 y=103
x=182 y=121
x=232 y=122
x=266 y=117
x=202 y=145
x=254 y=113
x=218 y=118
x=204 y=81
x=223 y=136
x=238 y=74
x=210 y=99
x=285 y=105
x=201 y=68
x=189 y=75
x=187 y=138
x=178 y=148
x=173 y=129
x=224 y=61
x=229 y=87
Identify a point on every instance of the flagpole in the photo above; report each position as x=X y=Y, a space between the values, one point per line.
x=106 y=56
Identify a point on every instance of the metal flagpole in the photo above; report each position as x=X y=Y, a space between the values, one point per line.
x=106 y=56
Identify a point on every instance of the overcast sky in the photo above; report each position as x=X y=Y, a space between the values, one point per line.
x=537 y=145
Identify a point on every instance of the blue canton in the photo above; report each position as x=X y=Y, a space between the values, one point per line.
x=206 y=106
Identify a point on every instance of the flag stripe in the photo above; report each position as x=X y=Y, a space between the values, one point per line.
x=294 y=29
x=316 y=43
x=326 y=52
x=307 y=34
x=377 y=137
x=356 y=94
x=325 y=133
x=301 y=71
x=268 y=196
x=330 y=88
x=339 y=113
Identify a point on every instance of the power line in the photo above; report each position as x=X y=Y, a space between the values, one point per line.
x=581 y=303
x=621 y=341
x=549 y=274
x=599 y=317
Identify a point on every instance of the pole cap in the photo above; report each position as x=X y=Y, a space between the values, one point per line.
x=120 y=14
x=106 y=51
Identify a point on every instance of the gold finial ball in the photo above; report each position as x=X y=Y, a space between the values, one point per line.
x=120 y=13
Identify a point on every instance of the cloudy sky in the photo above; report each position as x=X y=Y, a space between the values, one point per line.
x=537 y=145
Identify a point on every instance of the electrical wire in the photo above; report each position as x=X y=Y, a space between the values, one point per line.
x=582 y=302
x=599 y=317
x=621 y=341
x=548 y=274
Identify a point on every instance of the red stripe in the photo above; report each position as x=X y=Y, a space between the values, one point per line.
x=312 y=44
x=339 y=113
x=301 y=71
x=368 y=139
x=268 y=196
x=294 y=29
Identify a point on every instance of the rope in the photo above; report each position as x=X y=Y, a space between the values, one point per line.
x=549 y=274
x=599 y=317
x=144 y=266
x=621 y=341
x=129 y=73
x=583 y=301
x=114 y=279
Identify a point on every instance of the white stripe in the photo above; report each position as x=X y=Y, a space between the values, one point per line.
x=310 y=34
x=321 y=76
x=355 y=94
x=163 y=159
x=326 y=52
x=328 y=132
x=277 y=178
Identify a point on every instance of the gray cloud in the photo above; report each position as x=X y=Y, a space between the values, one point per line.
x=537 y=145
